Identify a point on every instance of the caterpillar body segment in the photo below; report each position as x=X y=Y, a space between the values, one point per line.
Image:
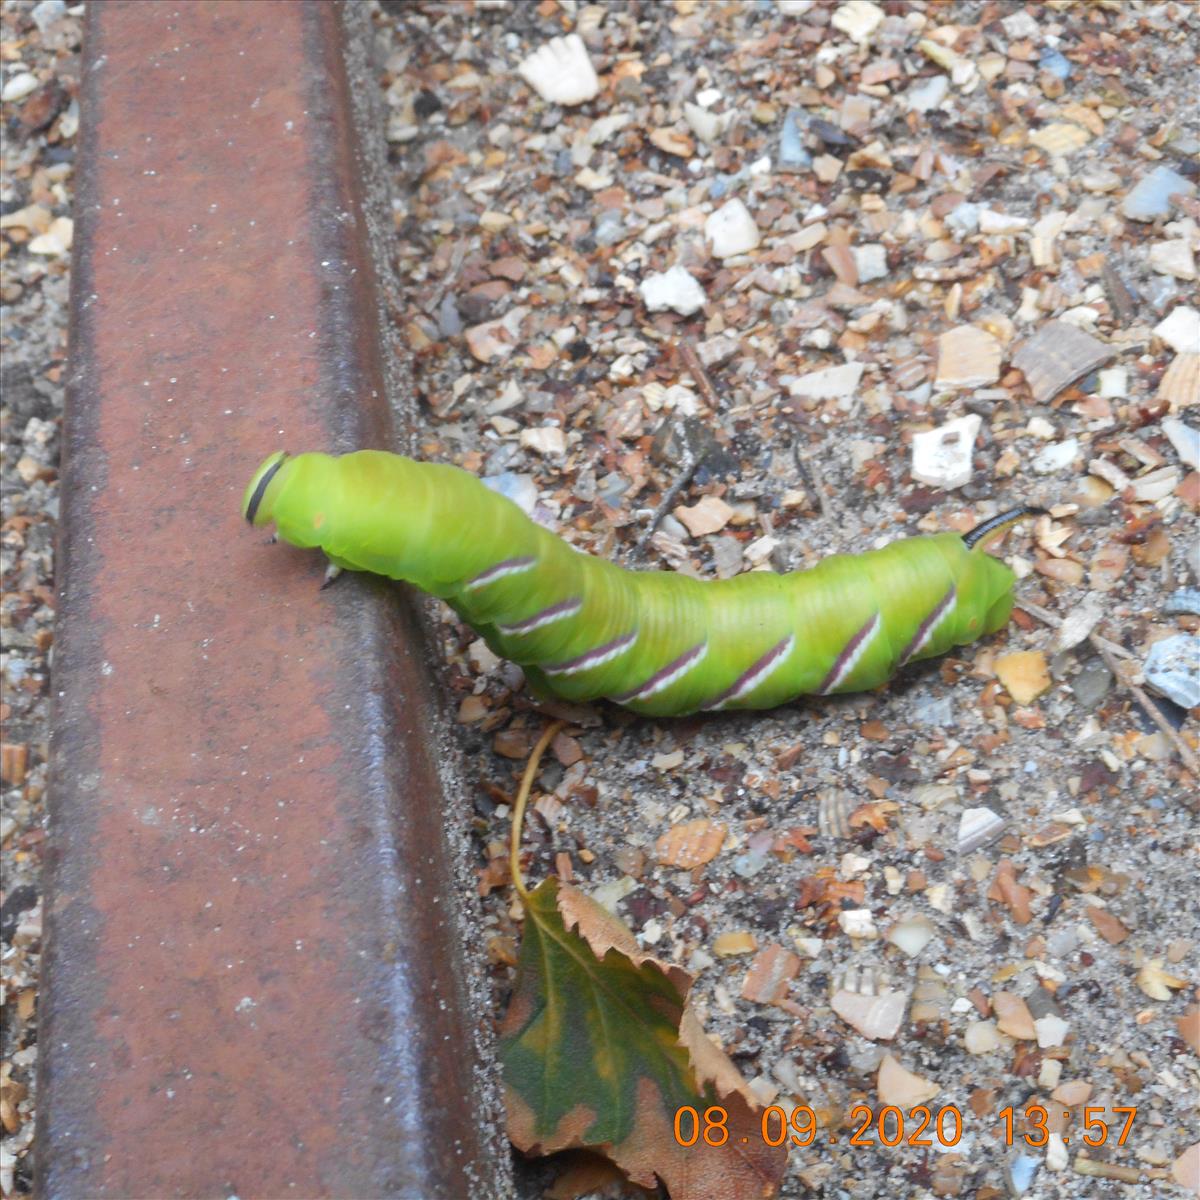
x=655 y=642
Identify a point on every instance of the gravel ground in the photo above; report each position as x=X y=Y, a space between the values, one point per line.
x=933 y=199
x=909 y=171
x=39 y=60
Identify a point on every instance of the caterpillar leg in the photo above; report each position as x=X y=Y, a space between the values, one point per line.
x=538 y=683
x=334 y=568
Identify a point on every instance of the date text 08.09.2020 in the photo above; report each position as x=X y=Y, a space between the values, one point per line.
x=922 y=1126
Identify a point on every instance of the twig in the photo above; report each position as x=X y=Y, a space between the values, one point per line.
x=1103 y=1170
x=809 y=476
x=1119 y=294
x=1110 y=652
x=518 y=817
x=458 y=256
x=691 y=360
x=690 y=463
x=1148 y=706
x=1049 y=618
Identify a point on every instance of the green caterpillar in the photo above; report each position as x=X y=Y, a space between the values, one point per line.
x=654 y=642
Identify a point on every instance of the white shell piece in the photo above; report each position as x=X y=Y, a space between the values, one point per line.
x=830 y=383
x=1181 y=330
x=942 y=457
x=876 y=1017
x=858 y=19
x=674 y=289
x=709 y=127
x=561 y=72
x=977 y=827
x=731 y=230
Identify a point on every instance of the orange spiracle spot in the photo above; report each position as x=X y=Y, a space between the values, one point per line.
x=318 y=520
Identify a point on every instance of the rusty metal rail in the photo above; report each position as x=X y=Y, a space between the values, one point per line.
x=254 y=984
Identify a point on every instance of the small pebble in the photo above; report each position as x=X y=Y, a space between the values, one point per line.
x=1181 y=330
x=520 y=489
x=982 y=1037
x=792 y=152
x=901 y=1087
x=937 y=711
x=1100 y=179
x=45 y=13
x=876 y=1017
x=1173 y=668
x=1013 y=1016
x=858 y=19
x=911 y=935
x=449 y=322
x=19 y=86
x=1056 y=457
x=1020 y=26
x=56 y=241
x=1185 y=600
x=1057 y=1156
x=833 y=383
x=1054 y=62
x=1023 y=674
x=1051 y=1031
x=928 y=94
x=727 y=945
x=964 y=220
x=871 y=262
x=992 y=222
x=675 y=289
x=968 y=357
x=750 y=863
x=546 y=440
x=709 y=127
x=609 y=228
x=1021 y=1173
x=707 y=515
x=731 y=230
x=1173 y=257
x=1113 y=384
x=496 y=339
x=978 y=827
x=1060 y=138
x=609 y=895
x=1150 y=197
x=858 y=923
x=1092 y=684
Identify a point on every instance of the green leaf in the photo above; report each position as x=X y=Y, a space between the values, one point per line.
x=594 y=1057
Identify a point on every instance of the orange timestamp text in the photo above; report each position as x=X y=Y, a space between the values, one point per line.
x=892 y=1126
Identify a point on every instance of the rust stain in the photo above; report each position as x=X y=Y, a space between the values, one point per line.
x=248 y=989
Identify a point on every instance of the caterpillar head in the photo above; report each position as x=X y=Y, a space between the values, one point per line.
x=294 y=493
x=995 y=579
x=258 y=501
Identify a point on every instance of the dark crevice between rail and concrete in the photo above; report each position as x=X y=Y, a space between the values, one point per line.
x=255 y=983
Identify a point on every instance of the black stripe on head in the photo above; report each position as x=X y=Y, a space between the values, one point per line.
x=1000 y=522
x=261 y=489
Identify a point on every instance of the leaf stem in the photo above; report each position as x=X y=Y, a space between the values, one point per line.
x=518 y=817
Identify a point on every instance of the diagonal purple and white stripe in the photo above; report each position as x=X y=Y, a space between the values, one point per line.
x=673 y=672
x=756 y=674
